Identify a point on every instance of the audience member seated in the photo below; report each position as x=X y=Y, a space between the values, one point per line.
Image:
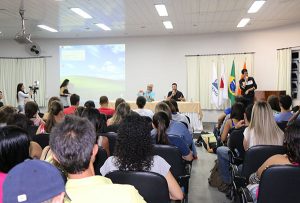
x=141 y=102
x=79 y=111
x=161 y=123
x=285 y=103
x=56 y=115
x=99 y=122
x=134 y=153
x=176 y=128
x=73 y=143
x=122 y=111
x=176 y=116
x=5 y=113
x=20 y=120
x=226 y=114
x=262 y=129
x=45 y=117
x=74 y=100
x=236 y=115
x=273 y=101
x=109 y=112
x=31 y=112
x=292 y=157
x=118 y=101
x=235 y=143
x=14 y=149
x=34 y=181
x=89 y=104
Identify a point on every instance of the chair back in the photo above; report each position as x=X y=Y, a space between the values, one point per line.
x=112 y=139
x=279 y=184
x=173 y=156
x=257 y=155
x=282 y=125
x=235 y=142
x=100 y=159
x=42 y=139
x=152 y=186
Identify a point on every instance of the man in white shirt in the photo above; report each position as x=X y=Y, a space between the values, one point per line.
x=141 y=102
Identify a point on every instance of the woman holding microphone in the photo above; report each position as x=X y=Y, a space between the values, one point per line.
x=22 y=96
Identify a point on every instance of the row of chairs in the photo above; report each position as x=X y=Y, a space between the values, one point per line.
x=143 y=181
x=273 y=181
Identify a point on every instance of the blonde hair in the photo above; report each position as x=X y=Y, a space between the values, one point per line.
x=266 y=131
x=122 y=111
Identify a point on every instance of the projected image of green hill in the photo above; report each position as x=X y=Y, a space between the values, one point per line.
x=91 y=88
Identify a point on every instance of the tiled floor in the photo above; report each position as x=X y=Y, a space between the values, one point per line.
x=200 y=191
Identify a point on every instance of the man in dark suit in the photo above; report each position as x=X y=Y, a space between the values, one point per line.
x=247 y=85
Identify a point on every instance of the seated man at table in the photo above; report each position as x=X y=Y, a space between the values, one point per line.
x=104 y=107
x=175 y=94
x=148 y=94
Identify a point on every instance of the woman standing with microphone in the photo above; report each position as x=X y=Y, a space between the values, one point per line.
x=21 y=96
x=64 y=93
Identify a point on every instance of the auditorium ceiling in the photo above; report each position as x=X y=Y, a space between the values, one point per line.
x=139 y=18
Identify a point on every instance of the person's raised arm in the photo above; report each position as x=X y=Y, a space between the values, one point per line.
x=226 y=130
x=170 y=95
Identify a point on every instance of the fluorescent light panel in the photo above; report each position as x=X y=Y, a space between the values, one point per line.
x=103 y=26
x=168 y=24
x=81 y=13
x=161 y=10
x=45 y=27
x=243 y=22
x=256 y=6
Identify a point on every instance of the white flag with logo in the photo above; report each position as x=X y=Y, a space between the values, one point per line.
x=223 y=86
x=214 y=86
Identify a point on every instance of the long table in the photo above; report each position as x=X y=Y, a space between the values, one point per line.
x=191 y=109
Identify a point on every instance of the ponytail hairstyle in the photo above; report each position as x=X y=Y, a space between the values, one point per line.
x=161 y=122
x=55 y=108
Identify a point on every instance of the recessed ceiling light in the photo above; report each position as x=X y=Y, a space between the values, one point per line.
x=161 y=9
x=256 y=6
x=81 y=13
x=243 y=22
x=45 y=27
x=168 y=24
x=103 y=26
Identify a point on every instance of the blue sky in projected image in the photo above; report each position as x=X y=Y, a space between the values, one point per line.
x=101 y=61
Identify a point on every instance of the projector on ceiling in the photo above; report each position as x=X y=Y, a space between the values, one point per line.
x=23 y=38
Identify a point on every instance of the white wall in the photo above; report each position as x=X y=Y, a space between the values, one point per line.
x=161 y=60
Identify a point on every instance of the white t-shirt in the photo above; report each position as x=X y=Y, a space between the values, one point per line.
x=21 y=98
x=144 y=112
x=249 y=137
x=159 y=166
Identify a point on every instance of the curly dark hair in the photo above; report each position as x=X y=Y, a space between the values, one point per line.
x=134 y=148
x=292 y=142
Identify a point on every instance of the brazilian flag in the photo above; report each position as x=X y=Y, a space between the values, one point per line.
x=232 y=85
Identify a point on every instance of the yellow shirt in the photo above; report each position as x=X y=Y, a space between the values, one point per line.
x=100 y=189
